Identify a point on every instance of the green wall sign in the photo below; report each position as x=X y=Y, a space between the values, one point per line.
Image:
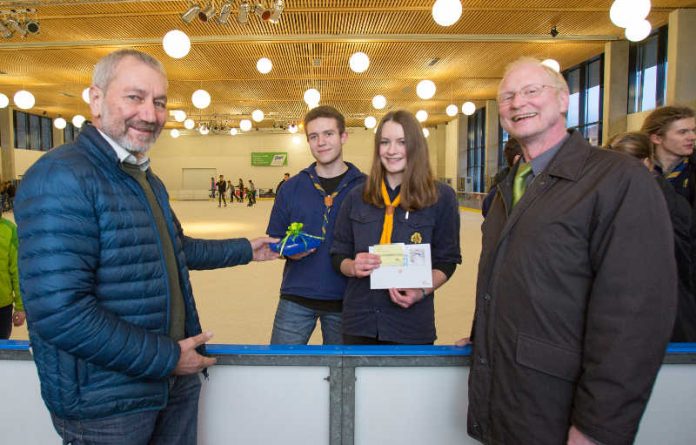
x=269 y=159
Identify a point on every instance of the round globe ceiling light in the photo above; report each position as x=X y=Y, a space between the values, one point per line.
x=78 y=120
x=60 y=123
x=379 y=102
x=85 y=95
x=257 y=115
x=447 y=12
x=452 y=110
x=370 y=122
x=638 y=31
x=175 y=133
x=359 y=62
x=264 y=65
x=4 y=101
x=624 y=13
x=425 y=89
x=189 y=124
x=179 y=115
x=245 y=125
x=233 y=131
x=200 y=99
x=553 y=64
x=426 y=132
x=24 y=99
x=468 y=108
x=312 y=97
x=292 y=128
x=422 y=115
x=204 y=130
x=176 y=44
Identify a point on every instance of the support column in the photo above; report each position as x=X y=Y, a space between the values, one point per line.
x=449 y=161
x=491 y=141
x=681 y=58
x=462 y=184
x=58 y=136
x=7 y=170
x=615 y=104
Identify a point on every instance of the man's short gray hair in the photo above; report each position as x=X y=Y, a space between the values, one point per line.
x=106 y=66
x=557 y=78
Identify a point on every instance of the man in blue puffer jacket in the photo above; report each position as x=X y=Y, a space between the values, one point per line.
x=104 y=271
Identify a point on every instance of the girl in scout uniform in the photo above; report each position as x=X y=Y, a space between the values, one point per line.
x=399 y=203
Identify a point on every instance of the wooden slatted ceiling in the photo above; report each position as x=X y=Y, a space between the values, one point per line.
x=310 y=47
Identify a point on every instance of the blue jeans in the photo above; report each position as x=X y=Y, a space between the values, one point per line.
x=294 y=324
x=175 y=424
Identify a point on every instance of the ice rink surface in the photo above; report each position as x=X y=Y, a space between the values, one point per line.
x=238 y=304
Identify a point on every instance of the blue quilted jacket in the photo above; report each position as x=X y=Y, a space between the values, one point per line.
x=94 y=281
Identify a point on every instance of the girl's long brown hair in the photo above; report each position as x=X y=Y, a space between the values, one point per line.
x=418 y=188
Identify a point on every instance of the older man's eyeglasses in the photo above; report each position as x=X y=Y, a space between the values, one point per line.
x=528 y=92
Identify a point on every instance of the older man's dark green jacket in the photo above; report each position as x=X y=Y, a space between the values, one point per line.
x=576 y=297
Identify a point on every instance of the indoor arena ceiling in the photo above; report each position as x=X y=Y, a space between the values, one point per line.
x=309 y=46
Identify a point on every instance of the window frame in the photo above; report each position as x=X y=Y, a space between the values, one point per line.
x=635 y=53
x=476 y=150
x=32 y=131
x=583 y=125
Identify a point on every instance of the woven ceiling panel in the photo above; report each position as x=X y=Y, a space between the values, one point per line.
x=309 y=47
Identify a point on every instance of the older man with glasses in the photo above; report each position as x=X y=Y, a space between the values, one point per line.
x=576 y=290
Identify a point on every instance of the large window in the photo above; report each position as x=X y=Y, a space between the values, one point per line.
x=503 y=137
x=476 y=150
x=586 y=85
x=32 y=132
x=647 y=65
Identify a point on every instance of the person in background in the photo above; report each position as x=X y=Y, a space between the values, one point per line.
x=577 y=283
x=286 y=176
x=104 y=272
x=251 y=193
x=212 y=187
x=400 y=202
x=672 y=130
x=311 y=289
x=638 y=145
x=4 y=204
x=230 y=187
x=11 y=307
x=11 y=191
x=221 y=189
x=240 y=188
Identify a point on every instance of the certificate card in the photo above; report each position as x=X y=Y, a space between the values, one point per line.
x=403 y=266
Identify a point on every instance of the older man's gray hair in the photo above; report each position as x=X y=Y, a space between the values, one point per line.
x=106 y=66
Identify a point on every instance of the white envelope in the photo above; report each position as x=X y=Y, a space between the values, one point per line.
x=404 y=266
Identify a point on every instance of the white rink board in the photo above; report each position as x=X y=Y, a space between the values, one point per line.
x=261 y=405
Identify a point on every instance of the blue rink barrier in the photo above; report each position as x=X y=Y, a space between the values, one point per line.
x=406 y=350
x=346 y=395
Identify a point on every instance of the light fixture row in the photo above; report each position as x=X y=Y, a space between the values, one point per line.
x=201 y=99
x=22 y=99
x=205 y=127
x=468 y=108
x=632 y=15
x=629 y=14
x=177 y=45
x=208 y=13
x=18 y=22
x=78 y=120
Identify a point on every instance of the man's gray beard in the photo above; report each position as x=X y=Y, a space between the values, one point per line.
x=122 y=140
x=131 y=147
